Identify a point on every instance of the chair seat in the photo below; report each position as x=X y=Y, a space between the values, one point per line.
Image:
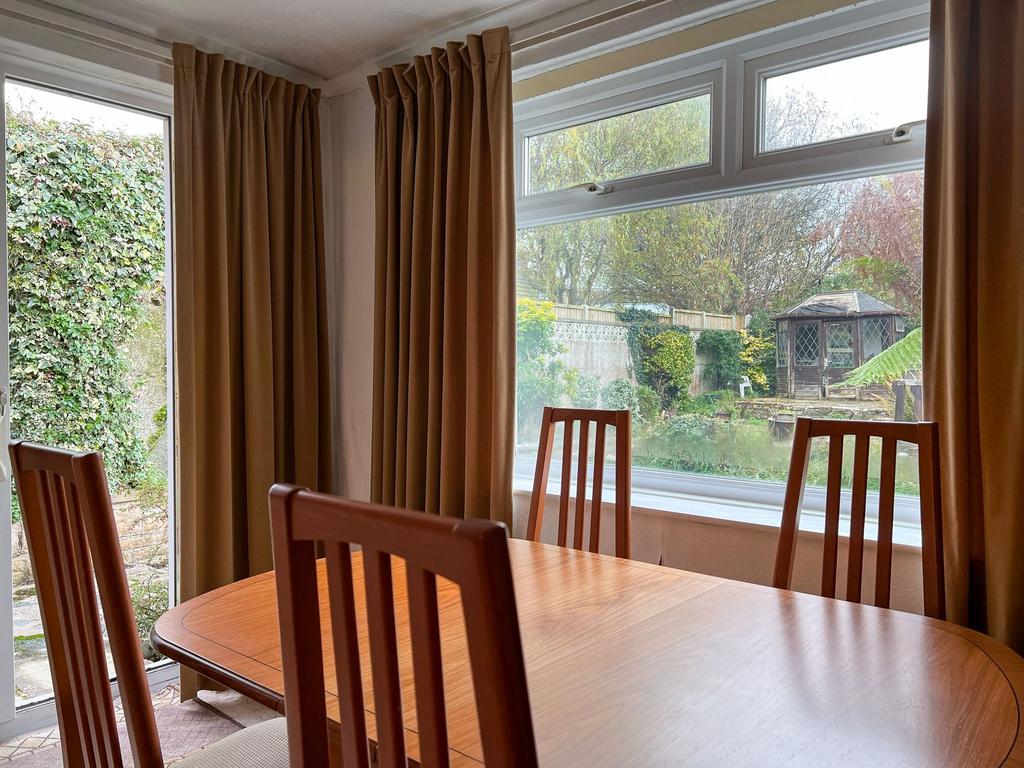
x=264 y=745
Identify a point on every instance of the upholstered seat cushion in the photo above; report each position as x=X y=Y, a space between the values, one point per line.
x=264 y=745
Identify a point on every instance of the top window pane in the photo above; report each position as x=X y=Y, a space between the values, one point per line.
x=674 y=135
x=863 y=94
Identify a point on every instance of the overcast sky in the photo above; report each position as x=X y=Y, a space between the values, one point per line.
x=45 y=103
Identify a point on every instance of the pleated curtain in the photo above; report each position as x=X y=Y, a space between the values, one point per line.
x=250 y=324
x=444 y=320
x=974 y=304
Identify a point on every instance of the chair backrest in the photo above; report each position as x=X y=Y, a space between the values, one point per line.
x=471 y=553
x=72 y=540
x=602 y=419
x=925 y=436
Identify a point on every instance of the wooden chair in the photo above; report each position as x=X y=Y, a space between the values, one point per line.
x=925 y=435
x=72 y=540
x=471 y=553
x=623 y=463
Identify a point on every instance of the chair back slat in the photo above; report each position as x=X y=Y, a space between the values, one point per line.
x=832 y=495
x=602 y=419
x=858 y=515
x=425 y=637
x=347 y=658
x=581 y=485
x=75 y=552
x=886 y=503
x=563 y=499
x=471 y=553
x=387 y=685
x=595 y=501
x=925 y=436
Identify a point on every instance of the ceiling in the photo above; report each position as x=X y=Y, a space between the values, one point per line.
x=325 y=38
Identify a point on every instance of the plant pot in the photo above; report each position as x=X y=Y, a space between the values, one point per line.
x=781 y=426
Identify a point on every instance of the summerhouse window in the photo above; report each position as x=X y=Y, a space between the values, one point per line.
x=782 y=345
x=807 y=344
x=875 y=331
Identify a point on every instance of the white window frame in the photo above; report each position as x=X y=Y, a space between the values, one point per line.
x=139 y=95
x=735 y=73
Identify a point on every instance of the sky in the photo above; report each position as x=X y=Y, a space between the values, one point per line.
x=880 y=90
x=59 y=106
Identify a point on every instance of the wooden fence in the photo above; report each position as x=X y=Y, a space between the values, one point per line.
x=689 y=318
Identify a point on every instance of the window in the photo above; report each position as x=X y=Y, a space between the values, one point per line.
x=876 y=336
x=862 y=94
x=839 y=345
x=782 y=344
x=665 y=292
x=807 y=344
x=674 y=135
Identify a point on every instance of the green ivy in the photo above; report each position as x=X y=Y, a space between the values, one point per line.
x=724 y=367
x=662 y=356
x=85 y=227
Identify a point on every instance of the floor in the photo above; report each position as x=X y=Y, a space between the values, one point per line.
x=185 y=727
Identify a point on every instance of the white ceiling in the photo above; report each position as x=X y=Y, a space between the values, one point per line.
x=325 y=38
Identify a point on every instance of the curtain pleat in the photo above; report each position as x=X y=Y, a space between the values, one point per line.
x=973 y=307
x=444 y=330
x=250 y=322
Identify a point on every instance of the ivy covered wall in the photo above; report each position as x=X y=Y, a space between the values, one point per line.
x=86 y=261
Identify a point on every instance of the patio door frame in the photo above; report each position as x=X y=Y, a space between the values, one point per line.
x=156 y=99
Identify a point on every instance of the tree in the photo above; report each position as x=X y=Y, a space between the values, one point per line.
x=880 y=241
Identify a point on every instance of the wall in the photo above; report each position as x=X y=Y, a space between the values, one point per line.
x=350 y=269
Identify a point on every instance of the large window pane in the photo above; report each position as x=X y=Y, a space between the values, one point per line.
x=88 y=338
x=675 y=135
x=862 y=94
x=665 y=311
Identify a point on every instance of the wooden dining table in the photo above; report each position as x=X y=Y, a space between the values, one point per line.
x=632 y=664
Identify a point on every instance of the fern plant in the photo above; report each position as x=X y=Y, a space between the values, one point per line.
x=889 y=364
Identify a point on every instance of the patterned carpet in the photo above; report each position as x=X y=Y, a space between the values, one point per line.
x=184 y=727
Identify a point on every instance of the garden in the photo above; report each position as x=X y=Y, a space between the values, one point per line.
x=713 y=433
x=88 y=339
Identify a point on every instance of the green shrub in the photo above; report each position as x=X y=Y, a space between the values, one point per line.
x=584 y=389
x=662 y=356
x=758 y=355
x=149 y=600
x=620 y=394
x=86 y=251
x=648 y=404
x=539 y=374
x=724 y=367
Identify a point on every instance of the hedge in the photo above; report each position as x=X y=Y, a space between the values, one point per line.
x=86 y=254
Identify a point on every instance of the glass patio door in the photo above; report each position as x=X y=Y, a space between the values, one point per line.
x=84 y=341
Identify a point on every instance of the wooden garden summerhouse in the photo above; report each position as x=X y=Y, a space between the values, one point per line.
x=821 y=339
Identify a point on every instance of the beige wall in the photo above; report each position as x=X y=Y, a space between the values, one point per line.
x=709 y=33
x=720 y=548
x=350 y=288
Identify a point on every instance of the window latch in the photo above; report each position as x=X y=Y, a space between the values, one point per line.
x=595 y=188
x=903 y=132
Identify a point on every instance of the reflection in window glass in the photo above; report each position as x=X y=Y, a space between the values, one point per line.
x=675 y=135
x=874 y=92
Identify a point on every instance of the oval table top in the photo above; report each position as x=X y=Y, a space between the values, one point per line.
x=637 y=664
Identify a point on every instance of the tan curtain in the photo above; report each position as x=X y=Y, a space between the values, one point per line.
x=444 y=333
x=250 y=322
x=974 y=304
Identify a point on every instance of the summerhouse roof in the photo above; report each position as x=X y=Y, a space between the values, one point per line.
x=840 y=303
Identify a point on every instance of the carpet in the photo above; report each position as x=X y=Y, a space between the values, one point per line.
x=184 y=728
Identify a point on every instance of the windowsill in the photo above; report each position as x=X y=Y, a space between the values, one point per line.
x=728 y=501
